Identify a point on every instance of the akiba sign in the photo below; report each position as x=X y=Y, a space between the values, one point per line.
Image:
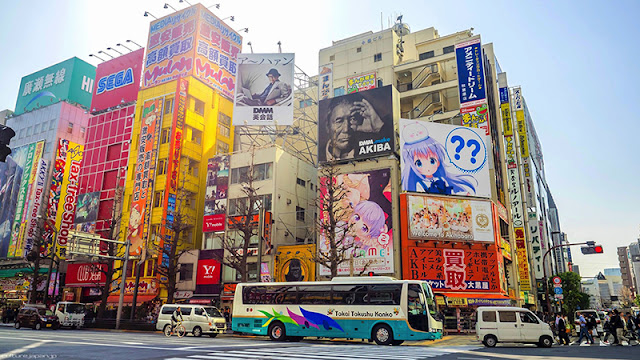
x=208 y=272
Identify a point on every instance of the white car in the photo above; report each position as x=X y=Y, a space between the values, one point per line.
x=512 y=325
x=70 y=314
x=197 y=319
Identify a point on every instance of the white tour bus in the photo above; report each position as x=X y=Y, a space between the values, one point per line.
x=381 y=308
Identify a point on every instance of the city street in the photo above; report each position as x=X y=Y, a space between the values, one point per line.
x=105 y=345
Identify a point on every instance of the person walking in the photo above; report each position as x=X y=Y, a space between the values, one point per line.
x=619 y=325
x=631 y=328
x=606 y=326
x=561 y=326
x=583 y=330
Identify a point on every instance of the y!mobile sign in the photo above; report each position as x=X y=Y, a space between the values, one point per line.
x=117 y=80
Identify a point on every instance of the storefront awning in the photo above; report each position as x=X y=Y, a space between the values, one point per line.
x=128 y=299
x=475 y=299
x=6 y=273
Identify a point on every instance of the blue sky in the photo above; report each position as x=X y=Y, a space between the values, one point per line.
x=573 y=59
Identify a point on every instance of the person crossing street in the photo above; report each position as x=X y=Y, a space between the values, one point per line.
x=583 y=330
x=561 y=326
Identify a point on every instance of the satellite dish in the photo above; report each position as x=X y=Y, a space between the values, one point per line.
x=401 y=29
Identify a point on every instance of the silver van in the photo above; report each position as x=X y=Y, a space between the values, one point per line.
x=513 y=325
x=197 y=319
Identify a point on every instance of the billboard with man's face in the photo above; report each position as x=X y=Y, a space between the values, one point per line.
x=356 y=126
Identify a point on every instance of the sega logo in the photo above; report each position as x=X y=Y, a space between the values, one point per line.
x=115 y=81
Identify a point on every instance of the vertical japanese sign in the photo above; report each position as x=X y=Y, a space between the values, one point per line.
x=151 y=122
x=471 y=85
x=507 y=124
x=15 y=246
x=523 y=260
x=519 y=107
x=34 y=208
x=216 y=56
x=29 y=195
x=325 y=85
x=361 y=82
x=215 y=198
x=264 y=94
x=68 y=197
x=170 y=47
x=536 y=246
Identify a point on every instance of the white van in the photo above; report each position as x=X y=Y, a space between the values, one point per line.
x=514 y=325
x=197 y=319
x=70 y=314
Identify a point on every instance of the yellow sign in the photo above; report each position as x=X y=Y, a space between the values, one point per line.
x=507 y=125
x=522 y=134
x=295 y=263
x=457 y=301
x=72 y=155
x=523 y=261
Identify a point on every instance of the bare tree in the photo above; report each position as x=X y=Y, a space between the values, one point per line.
x=332 y=223
x=243 y=221
x=175 y=242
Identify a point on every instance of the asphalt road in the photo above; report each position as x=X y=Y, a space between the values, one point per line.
x=108 y=345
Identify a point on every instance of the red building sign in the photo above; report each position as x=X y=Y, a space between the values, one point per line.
x=86 y=275
x=208 y=272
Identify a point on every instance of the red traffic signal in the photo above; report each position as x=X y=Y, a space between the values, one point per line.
x=592 y=249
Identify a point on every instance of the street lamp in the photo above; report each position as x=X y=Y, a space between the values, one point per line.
x=118 y=44
x=232 y=18
x=133 y=42
x=112 y=49
x=96 y=56
x=166 y=6
x=146 y=13
x=102 y=52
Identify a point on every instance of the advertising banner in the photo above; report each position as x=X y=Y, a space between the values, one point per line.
x=507 y=124
x=443 y=159
x=356 y=126
x=446 y=218
x=537 y=251
x=264 y=94
x=476 y=117
x=16 y=244
x=87 y=210
x=34 y=209
x=72 y=79
x=143 y=174
x=146 y=286
x=68 y=194
x=175 y=151
x=454 y=269
x=367 y=218
x=208 y=272
x=523 y=260
x=361 y=82
x=57 y=176
x=522 y=134
x=11 y=174
x=325 y=85
x=86 y=275
x=215 y=198
x=118 y=80
x=295 y=263
x=471 y=78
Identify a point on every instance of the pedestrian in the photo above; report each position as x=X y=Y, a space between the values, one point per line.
x=614 y=323
x=583 y=329
x=606 y=326
x=591 y=325
x=619 y=325
x=631 y=327
x=561 y=327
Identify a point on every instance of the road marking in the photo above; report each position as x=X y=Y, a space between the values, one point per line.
x=15 y=352
x=132 y=343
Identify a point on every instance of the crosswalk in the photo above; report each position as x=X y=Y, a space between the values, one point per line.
x=328 y=352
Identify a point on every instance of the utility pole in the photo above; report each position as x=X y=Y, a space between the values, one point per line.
x=260 y=232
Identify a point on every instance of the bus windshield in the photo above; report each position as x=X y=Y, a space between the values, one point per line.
x=431 y=302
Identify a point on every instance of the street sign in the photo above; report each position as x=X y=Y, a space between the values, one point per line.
x=557 y=290
x=557 y=280
x=557 y=285
x=559 y=296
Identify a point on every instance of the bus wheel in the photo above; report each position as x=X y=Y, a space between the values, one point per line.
x=382 y=334
x=277 y=331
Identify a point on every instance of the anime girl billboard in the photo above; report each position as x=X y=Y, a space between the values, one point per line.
x=443 y=159
x=366 y=215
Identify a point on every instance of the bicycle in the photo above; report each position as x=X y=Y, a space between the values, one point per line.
x=178 y=329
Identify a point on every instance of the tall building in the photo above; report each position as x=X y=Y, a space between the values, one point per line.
x=634 y=257
x=183 y=118
x=625 y=267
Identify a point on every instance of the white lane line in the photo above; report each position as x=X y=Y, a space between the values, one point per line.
x=17 y=351
x=132 y=343
x=249 y=345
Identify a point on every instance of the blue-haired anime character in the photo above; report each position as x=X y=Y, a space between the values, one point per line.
x=426 y=168
x=367 y=223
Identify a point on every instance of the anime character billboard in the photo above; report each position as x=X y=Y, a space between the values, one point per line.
x=87 y=209
x=444 y=159
x=365 y=219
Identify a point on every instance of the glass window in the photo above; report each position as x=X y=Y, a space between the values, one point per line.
x=222 y=147
x=489 y=316
x=266 y=202
x=36 y=129
x=199 y=311
x=70 y=128
x=447 y=49
x=377 y=57
x=385 y=294
x=164 y=137
x=213 y=312
x=29 y=131
x=198 y=107
x=168 y=106
x=338 y=91
x=186 y=272
x=527 y=317
x=162 y=167
x=314 y=295
x=301 y=182
x=52 y=124
x=507 y=316
x=157 y=199
x=349 y=294
x=299 y=213
x=426 y=55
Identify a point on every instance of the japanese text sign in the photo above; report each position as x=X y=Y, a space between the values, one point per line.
x=361 y=82
x=68 y=200
x=523 y=260
x=325 y=83
x=471 y=79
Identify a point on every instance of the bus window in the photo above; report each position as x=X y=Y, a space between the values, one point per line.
x=349 y=294
x=385 y=294
x=416 y=308
x=314 y=295
x=431 y=302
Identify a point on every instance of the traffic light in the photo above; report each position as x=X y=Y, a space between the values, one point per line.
x=6 y=133
x=592 y=248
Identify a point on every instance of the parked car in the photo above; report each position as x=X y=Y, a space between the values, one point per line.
x=36 y=318
x=598 y=315
x=513 y=325
x=70 y=314
x=197 y=319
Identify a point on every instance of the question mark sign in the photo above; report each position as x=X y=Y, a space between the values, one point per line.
x=475 y=151
x=460 y=140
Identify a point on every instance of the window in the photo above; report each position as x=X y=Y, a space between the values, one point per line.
x=489 y=316
x=224 y=131
x=299 y=213
x=114 y=151
x=224 y=125
x=199 y=311
x=263 y=171
x=359 y=49
x=164 y=137
x=21 y=133
x=426 y=55
x=266 y=202
x=157 y=199
x=162 y=167
x=168 y=310
x=526 y=317
x=168 y=106
x=377 y=57
x=186 y=272
x=224 y=119
x=193 y=167
x=310 y=295
x=70 y=128
x=338 y=91
x=349 y=294
x=151 y=269
x=83 y=130
x=196 y=136
x=332 y=58
x=379 y=82
x=447 y=49
x=52 y=124
x=222 y=147
x=305 y=103
x=301 y=182
x=29 y=130
x=260 y=172
x=507 y=316
x=198 y=106
x=36 y=129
